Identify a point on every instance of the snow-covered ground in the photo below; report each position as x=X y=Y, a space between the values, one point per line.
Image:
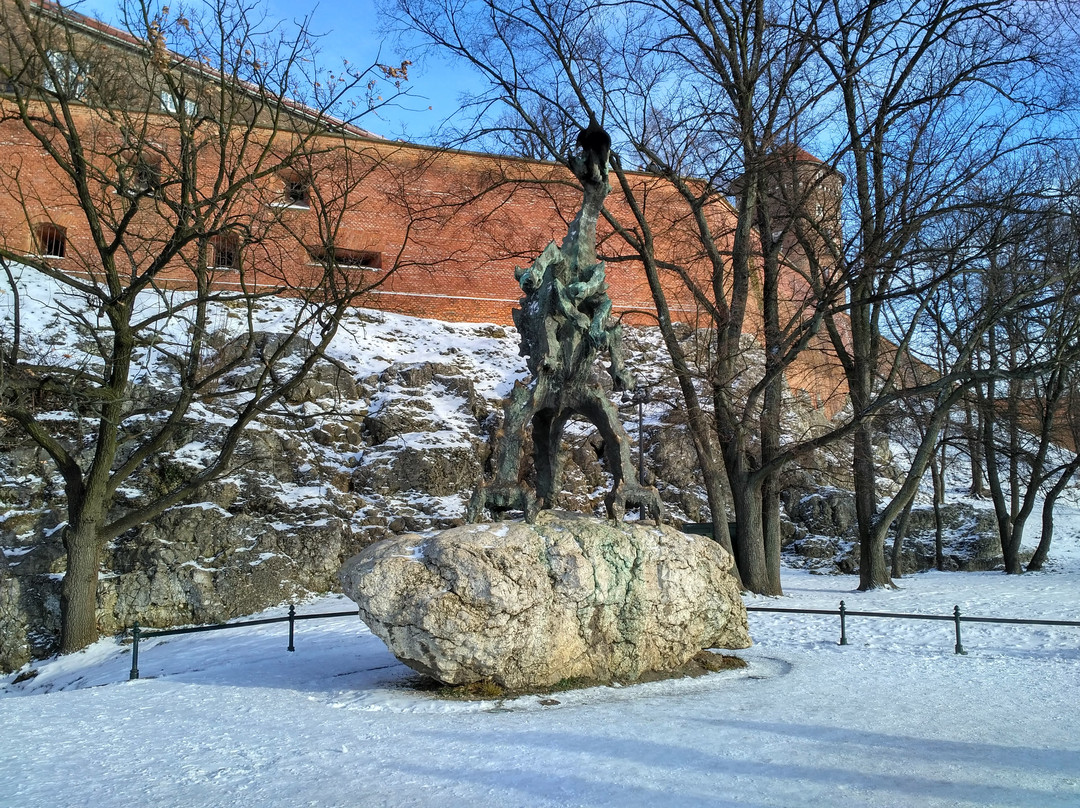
x=895 y=718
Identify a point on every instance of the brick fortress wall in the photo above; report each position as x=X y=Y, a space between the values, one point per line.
x=443 y=230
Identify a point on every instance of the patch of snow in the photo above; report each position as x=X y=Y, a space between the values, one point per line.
x=206 y=506
x=197 y=566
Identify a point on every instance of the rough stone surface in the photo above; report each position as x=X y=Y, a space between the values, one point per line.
x=204 y=565
x=310 y=492
x=15 y=650
x=825 y=539
x=394 y=447
x=529 y=605
x=827 y=512
x=971 y=541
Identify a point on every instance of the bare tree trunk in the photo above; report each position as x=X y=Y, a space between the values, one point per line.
x=746 y=499
x=769 y=420
x=997 y=492
x=898 y=540
x=770 y=488
x=717 y=498
x=1012 y=418
x=873 y=572
x=937 y=476
x=12 y=357
x=1001 y=512
x=749 y=547
x=698 y=423
x=78 y=592
x=770 y=532
x=978 y=481
x=1038 y=560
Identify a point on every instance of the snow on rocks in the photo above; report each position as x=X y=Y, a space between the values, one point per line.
x=529 y=605
x=387 y=434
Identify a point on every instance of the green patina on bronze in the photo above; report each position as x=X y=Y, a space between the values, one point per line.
x=565 y=325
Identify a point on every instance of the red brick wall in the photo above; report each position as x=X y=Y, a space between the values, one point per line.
x=454 y=224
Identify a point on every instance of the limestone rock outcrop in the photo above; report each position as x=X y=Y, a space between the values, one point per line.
x=529 y=605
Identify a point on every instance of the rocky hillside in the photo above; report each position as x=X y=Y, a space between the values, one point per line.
x=389 y=435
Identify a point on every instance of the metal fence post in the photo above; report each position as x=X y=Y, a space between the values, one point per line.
x=843 y=623
x=956 y=619
x=292 y=623
x=134 y=652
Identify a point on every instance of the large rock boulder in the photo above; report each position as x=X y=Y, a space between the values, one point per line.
x=14 y=648
x=825 y=512
x=529 y=605
x=201 y=564
x=970 y=540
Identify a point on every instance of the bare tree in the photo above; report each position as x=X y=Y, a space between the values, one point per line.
x=935 y=94
x=1070 y=413
x=174 y=166
x=1025 y=408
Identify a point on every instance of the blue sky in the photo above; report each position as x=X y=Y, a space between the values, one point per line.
x=350 y=31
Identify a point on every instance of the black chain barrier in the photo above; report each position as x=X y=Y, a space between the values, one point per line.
x=138 y=634
x=956 y=617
